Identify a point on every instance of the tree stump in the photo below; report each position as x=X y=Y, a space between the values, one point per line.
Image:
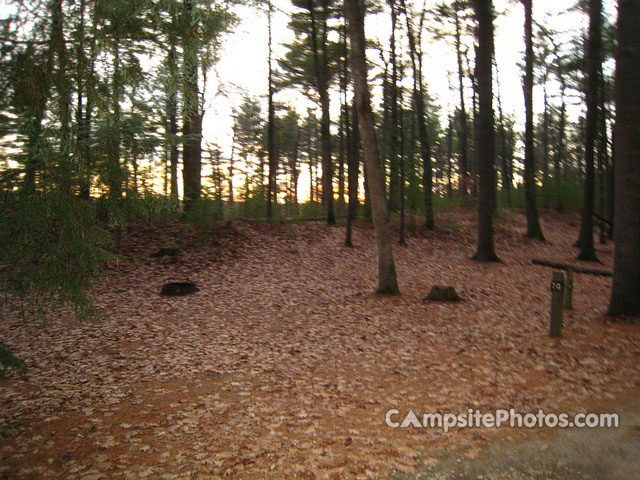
x=440 y=293
x=178 y=286
x=167 y=252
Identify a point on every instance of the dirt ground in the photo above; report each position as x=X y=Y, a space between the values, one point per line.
x=574 y=454
x=284 y=363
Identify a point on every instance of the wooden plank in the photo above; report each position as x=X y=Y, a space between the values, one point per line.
x=557 y=298
x=575 y=268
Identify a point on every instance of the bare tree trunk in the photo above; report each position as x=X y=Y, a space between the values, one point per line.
x=625 y=295
x=322 y=76
x=401 y=240
x=560 y=144
x=603 y=152
x=449 y=154
x=545 y=139
x=533 y=224
x=462 y=120
x=425 y=147
x=271 y=184
x=484 y=143
x=387 y=282
x=587 y=249
x=394 y=187
x=231 y=165
x=344 y=120
x=172 y=113
x=504 y=151
x=353 y=159
x=295 y=171
x=474 y=118
x=192 y=125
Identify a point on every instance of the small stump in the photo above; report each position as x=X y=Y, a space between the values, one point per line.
x=441 y=293
x=178 y=286
x=166 y=252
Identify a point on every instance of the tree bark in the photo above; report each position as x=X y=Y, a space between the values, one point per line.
x=545 y=140
x=560 y=143
x=271 y=134
x=505 y=164
x=172 y=113
x=533 y=224
x=394 y=187
x=462 y=119
x=344 y=121
x=401 y=240
x=387 y=282
x=192 y=125
x=449 y=155
x=425 y=146
x=594 y=42
x=625 y=295
x=322 y=79
x=484 y=142
x=353 y=159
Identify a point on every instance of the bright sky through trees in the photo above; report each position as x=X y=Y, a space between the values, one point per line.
x=242 y=66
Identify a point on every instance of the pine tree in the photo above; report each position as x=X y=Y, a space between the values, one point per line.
x=355 y=13
x=625 y=294
x=485 y=132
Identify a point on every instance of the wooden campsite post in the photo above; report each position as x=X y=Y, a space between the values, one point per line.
x=557 y=298
x=568 y=289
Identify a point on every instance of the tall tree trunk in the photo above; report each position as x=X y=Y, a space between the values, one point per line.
x=344 y=119
x=295 y=171
x=232 y=165
x=484 y=142
x=271 y=132
x=310 y=145
x=625 y=294
x=192 y=125
x=603 y=151
x=387 y=282
x=504 y=155
x=474 y=118
x=394 y=186
x=545 y=139
x=425 y=147
x=449 y=169
x=533 y=224
x=353 y=159
x=462 y=120
x=172 y=114
x=560 y=143
x=587 y=249
x=610 y=172
x=401 y=240
x=320 y=62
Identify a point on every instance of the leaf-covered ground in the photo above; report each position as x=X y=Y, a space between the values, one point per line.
x=284 y=363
